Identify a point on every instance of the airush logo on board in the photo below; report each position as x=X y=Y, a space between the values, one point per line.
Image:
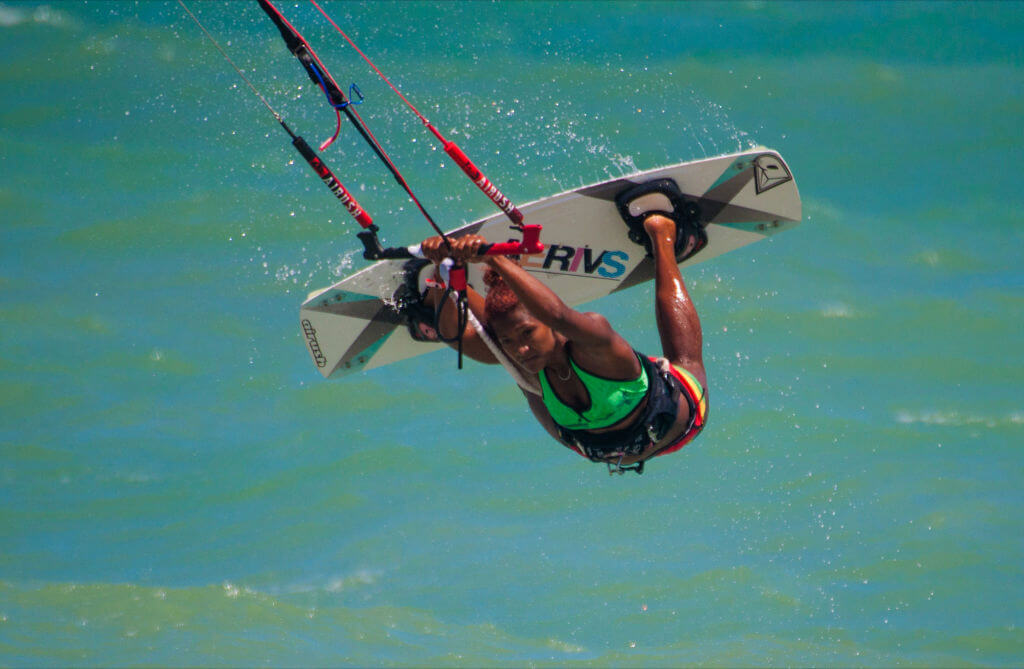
x=314 y=346
x=579 y=260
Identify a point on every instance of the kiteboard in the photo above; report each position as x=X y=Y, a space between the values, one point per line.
x=356 y=324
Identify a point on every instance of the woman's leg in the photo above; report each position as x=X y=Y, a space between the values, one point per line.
x=678 y=324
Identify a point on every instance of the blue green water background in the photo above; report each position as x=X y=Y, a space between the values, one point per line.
x=179 y=486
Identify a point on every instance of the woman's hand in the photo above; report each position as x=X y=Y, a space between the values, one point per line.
x=464 y=249
x=434 y=249
x=467 y=248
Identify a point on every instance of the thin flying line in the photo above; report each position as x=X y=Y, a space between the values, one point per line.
x=369 y=62
x=231 y=62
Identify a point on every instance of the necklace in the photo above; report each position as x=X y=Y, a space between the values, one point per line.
x=568 y=367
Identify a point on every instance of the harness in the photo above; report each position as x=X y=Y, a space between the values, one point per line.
x=649 y=428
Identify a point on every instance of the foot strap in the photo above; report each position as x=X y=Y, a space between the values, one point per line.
x=662 y=196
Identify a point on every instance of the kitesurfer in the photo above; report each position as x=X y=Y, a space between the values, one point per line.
x=597 y=395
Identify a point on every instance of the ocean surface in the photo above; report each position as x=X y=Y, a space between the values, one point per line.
x=179 y=486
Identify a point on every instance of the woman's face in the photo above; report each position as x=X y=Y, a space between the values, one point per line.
x=526 y=340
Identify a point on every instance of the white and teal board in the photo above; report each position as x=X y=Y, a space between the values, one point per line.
x=353 y=325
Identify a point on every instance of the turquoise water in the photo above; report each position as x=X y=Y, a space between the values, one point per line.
x=179 y=486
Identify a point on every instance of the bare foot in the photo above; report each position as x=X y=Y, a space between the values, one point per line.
x=662 y=231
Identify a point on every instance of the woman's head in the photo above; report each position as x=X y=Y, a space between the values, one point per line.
x=523 y=338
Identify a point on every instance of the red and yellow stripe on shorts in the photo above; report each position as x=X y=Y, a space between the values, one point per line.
x=699 y=399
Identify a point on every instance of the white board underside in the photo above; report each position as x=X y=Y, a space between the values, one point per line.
x=746 y=197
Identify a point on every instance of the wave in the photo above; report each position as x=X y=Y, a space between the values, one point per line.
x=957 y=419
x=11 y=17
x=104 y=624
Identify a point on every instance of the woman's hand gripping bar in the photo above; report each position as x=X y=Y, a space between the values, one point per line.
x=373 y=250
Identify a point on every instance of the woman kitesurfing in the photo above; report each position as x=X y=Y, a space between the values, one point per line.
x=583 y=381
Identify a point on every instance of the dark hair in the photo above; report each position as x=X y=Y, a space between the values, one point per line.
x=500 y=299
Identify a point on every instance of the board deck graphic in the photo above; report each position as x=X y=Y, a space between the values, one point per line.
x=745 y=197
